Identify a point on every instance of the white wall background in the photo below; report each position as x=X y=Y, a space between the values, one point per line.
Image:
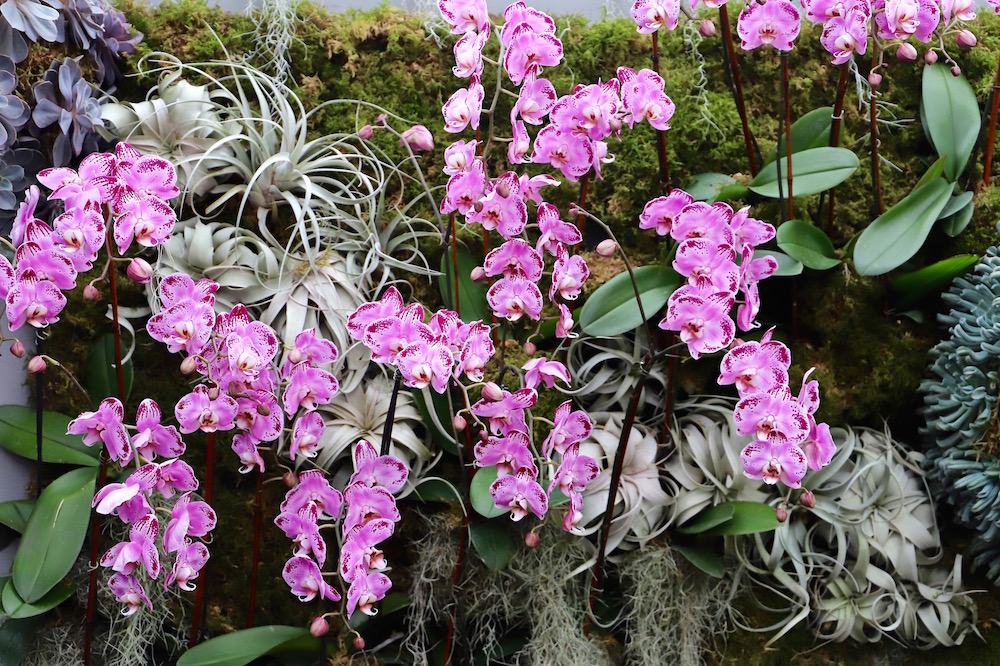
x=15 y=472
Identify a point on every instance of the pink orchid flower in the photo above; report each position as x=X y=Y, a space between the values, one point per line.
x=749 y=231
x=465 y=15
x=314 y=487
x=303 y=529
x=79 y=233
x=515 y=257
x=360 y=554
x=575 y=472
x=128 y=499
x=246 y=449
x=843 y=36
x=564 y=326
x=306 y=581
x=308 y=388
x=371 y=469
x=752 y=271
x=426 y=365
x=175 y=476
x=105 y=425
x=33 y=301
x=534 y=101
x=146 y=219
x=818 y=446
x=541 y=370
x=518 y=13
x=521 y=494
x=6 y=277
x=596 y=106
x=508 y=454
x=902 y=19
x=775 y=22
x=773 y=416
x=464 y=107
x=703 y=322
x=528 y=50
x=389 y=305
x=774 y=461
x=187 y=519
x=568 y=428
x=139 y=550
x=145 y=174
x=306 y=435
x=199 y=411
x=153 y=439
x=554 y=232
x=476 y=353
x=186 y=325
x=574 y=514
x=129 y=591
x=520 y=145
x=507 y=414
x=391 y=335
x=179 y=287
x=190 y=558
x=503 y=208
x=707 y=266
x=756 y=367
x=531 y=186
x=568 y=275
x=459 y=157
x=366 y=503
x=259 y=416
x=515 y=297
x=703 y=220
x=643 y=98
x=45 y=264
x=649 y=15
x=469 y=55
x=464 y=189
x=661 y=212
x=571 y=153
x=366 y=591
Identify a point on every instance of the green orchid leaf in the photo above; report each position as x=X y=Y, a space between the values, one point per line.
x=956 y=203
x=15 y=513
x=612 y=309
x=787 y=267
x=20 y=609
x=711 y=517
x=899 y=233
x=17 y=435
x=813 y=171
x=242 y=647
x=956 y=223
x=433 y=408
x=810 y=131
x=702 y=558
x=732 y=193
x=54 y=534
x=435 y=489
x=808 y=244
x=479 y=493
x=950 y=116
x=914 y=286
x=493 y=543
x=15 y=639
x=102 y=378
x=934 y=171
x=748 y=518
x=472 y=303
x=706 y=186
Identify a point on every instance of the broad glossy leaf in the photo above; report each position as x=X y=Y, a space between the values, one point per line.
x=808 y=244
x=241 y=647
x=787 y=267
x=914 y=286
x=950 y=114
x=19 y=609
x=934 y=171
x=54 y=534
x=956 y=223
x=102 y=378
x=810 y=131
x=956 y=203
x=479 y=493
x=15 y=513
x=711 y=517
x=493 y=543
x=899 y=233
x=813 y=171
x=434 y=489
x=748 y=518
x=732 y=193
x=15 y=638
x=612 y=309
x=472 y=303
x=706 y=186
x=17 y=435
x=433 y=408
x=702 y=558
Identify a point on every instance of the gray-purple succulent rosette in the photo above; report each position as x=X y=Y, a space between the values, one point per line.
x=64 y=100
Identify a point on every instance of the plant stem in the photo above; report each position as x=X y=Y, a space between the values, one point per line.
x=787 y=108
x=661 y=138
x=39 y=419
x=454 y=263
x=777 y=165
x=199 y=598
x=733 y=69
x=387 y=430
x=876 y=177
x=991 y=134
x=838 y=114
x=256 y=547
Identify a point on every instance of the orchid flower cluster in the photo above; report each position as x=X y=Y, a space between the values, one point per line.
x=715 y=253
x=370 y=519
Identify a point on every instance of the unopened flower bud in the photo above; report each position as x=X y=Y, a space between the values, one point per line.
x=492 y=392
x=478 y=274
x=808 y=500
x=459 y=422
x=189 y=365
x=358 y=643
x=290 y=479
x=503 y=189
x=930 y=57
x=380 y=120
x=17 y=349
x=36 y=365
x=707 y=28
x=616 y=124
x=295 y=356
x=140 y=271
x=906 y=52
x=484 y=436
x=213 y=393
x=966 y=39
x=319 y=627
x=366 y=132
x=607 y=247
x=956 y=71
x=417 y=137
x=91 y=294
x=874 y=79
x=531 y=539
x=263 y=409
x=530 y=348
x=478 y=207
x=781 y=513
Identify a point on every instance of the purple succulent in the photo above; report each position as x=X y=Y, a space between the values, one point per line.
x=14 y=111
x=65 y=99
x=117 y=38
x=23 y=21
x=84 y=21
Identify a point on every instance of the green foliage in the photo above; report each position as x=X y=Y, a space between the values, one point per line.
x=950 y=115
x=918 y=284
x=807 y=244
x=613 y=309
x=810 y=131
x=102 y=377
x=731 y=518
x=15 y=513
x=493 y=543
x=472 y=303
x=813 y=171
x=18 y=435
x=242 y=647
x=479 y=493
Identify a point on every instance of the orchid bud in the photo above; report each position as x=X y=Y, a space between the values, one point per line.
x=319 y=627
x=530 y=348
x=478 y=274
x=478 y=207
x=808 y=500
x=616 y=124
x=295 y=356
x=531 y=539
x=707 y=28
x=366 y=132
x=874 y=79
x=906 y=52
x=358 y=643
x=417 y=137
x=189 y=365
x=781 y=513
x=290 y=479
x=380 y=120
x=140 y=271
x=956 y=71
x=492 y=392
x=930 y=57
x=263 y=409
x=91 y=294
x=36 y=365
x=607 y=247
x=966 y=39
x=503 y=189
x=459 y=422
x=17 y=349
x=213 y=393
x=484 y=436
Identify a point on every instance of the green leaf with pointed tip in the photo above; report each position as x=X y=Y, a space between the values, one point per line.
x=748 y=518
x=933 y=172
x=787 y=267
x=241 y=647
x=709 y=518
x=612 y=309
x=956 y=223
x=899 y=233
x=813 y=171
x=17 y=435
x=702 y=558
x=479 y=493
x=808 y=244
x=472 y=303
x=54 y=534
x=19 y=609
x=493 y=543
x=706 y=186
x=914 y=286
x=732 y=193
x=956 y=203
x=950 y=115
x=102 y=378
x=810 y=131
x=15 y=513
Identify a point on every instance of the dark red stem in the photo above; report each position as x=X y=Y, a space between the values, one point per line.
x=787 y=109
x=737 y=81
x=876 y=177
x=992 y=133
x=199 y=597
x=661 y=137
x=257 y=517
x=838 y=113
